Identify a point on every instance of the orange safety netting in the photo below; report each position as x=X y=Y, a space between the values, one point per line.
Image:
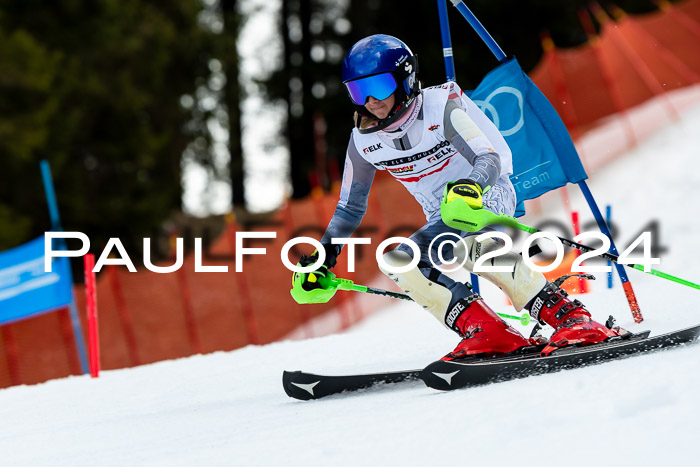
x=631 y=61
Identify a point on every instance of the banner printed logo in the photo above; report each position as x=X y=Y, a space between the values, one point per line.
x=490 y=110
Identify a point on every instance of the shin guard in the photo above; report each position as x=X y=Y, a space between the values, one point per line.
x=521 y=284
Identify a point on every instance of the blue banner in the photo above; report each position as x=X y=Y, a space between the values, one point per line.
x=25 y=289
x=544 y=157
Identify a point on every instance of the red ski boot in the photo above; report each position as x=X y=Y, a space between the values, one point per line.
x=483 y=331
x=572 y=322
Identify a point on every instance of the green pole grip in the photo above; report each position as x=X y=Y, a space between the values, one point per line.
x=344 y=284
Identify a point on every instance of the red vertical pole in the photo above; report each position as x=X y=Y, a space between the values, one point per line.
x=124 y=316
x=12 y=352
x=582 y=285
x=91 y=305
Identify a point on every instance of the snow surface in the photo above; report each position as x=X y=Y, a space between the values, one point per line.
x=230 y=408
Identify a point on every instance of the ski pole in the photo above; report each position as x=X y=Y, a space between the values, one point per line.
x=480 y=30
x=347 y=284
x=473 y=220
x=524 y=319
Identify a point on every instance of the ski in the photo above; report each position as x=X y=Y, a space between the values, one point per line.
x=306 y=386
x=478 y=371
x=449 y=375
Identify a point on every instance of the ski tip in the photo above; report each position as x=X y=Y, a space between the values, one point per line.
x=295 y=388
x=438 y=375
x=291 y=390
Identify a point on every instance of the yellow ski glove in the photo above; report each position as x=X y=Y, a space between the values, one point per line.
x=467 y=190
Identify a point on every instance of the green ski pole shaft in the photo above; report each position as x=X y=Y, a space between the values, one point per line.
x=478 y=218
x=347 y=284
x=524 y=319
x=663 y=275
x=386 y=293
x=638 y=267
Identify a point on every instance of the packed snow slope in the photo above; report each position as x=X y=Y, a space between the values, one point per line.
x=230 y=409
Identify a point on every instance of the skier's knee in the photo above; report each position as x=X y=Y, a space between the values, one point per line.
x=519 y=282
x=431 y=295
x=395 y=259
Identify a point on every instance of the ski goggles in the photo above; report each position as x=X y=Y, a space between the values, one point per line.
x=378 y=86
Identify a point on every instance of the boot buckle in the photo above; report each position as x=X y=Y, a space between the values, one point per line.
x=567 y=308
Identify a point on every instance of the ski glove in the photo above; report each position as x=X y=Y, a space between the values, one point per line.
x=321 y=277
x=466 y=189
x=317 y=286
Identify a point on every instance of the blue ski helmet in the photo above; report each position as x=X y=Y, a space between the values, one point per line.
x=379 y=66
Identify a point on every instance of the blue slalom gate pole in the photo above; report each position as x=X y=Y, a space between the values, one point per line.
x=480 y=30
x=626 y=284
x=56 y=226
x=50 y=195
x=501 y=56
x=446 y=40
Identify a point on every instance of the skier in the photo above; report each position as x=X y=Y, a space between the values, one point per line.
x=442 y=148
